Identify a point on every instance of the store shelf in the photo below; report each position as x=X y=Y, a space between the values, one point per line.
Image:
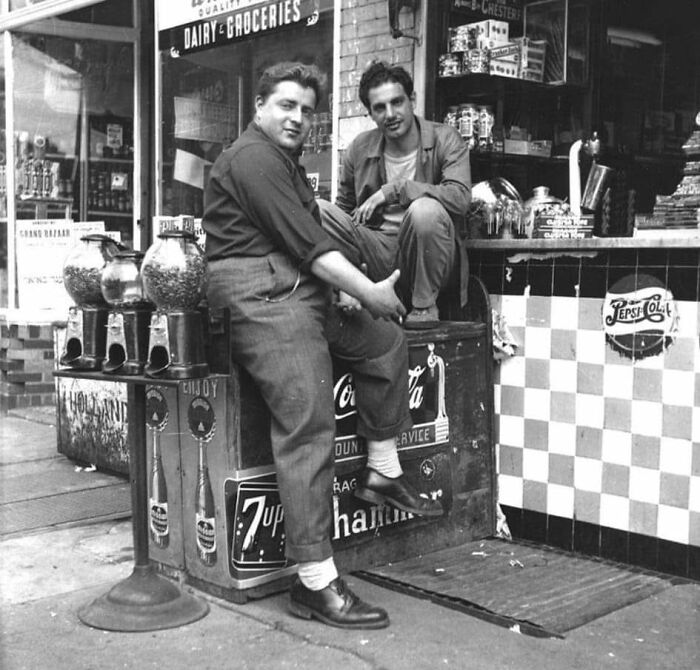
x=60 y=157
x=494 y=81
x=36 y=200
x=121 y=161
x=105 y=212
x=493 y=156
x=587 y=244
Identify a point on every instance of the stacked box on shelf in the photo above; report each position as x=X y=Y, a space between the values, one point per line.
x=471 y=43
x=487 y=34
x=505 y=60
x=533 y=53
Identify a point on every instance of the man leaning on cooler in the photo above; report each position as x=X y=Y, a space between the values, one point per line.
x=274 y=267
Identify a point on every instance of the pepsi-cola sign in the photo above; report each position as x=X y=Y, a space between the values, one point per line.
x=639 y=316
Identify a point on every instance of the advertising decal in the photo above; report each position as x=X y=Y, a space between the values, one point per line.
x=426 y=396
x=639 y=316
x=157 y=415
x=202 y=424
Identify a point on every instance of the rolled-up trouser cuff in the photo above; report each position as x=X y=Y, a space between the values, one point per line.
x=386 y=432
x=309 y=552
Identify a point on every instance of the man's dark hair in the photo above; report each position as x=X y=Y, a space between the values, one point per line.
x=379 y=73
x=307 y=76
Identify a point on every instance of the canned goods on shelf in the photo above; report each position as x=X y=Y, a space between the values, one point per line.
x=476 y=61
x=450 y=65
x=459 y=39
x=452 y=117
x=467 y=118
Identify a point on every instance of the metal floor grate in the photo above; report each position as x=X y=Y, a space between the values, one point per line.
x=545 y=592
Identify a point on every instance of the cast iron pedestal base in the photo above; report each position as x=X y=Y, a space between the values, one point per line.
x=143 y=601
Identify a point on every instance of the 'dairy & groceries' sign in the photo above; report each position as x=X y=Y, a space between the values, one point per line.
x=194 y=25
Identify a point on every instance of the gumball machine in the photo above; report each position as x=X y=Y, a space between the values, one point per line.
x=86 y=327
x=130 y=317
x=174 y=272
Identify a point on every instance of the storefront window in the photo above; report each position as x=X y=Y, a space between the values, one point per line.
x=74 y=142
x=650 y=90
x=3 y=186
x=67 y=144
x=112 y=13
x=209 y=69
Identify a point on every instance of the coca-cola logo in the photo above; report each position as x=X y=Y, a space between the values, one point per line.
x=344 y=392
x=639 y=316
x=344 y=395
x=415 y=388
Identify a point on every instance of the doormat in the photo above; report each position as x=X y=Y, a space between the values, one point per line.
x=85 y=506
x=531 y=589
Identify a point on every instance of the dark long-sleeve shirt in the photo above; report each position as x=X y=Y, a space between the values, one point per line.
x=258 y=201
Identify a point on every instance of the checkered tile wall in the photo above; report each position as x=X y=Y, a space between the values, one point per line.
x=586 y=435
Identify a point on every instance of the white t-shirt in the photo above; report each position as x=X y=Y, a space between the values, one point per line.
x=397 y=167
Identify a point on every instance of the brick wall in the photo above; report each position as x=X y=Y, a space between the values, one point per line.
x=365 y=36
x=26 y=365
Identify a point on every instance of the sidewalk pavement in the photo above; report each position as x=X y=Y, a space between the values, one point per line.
x=47 y=575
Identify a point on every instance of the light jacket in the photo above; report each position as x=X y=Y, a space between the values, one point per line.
x=442 y=171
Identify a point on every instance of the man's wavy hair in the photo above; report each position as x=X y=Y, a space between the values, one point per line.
x=379 y=73
x=307 y=76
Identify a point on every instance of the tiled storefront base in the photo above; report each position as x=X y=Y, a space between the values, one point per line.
x=596 y=452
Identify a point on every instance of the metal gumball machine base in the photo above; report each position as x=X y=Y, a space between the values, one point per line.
x=86 y=335
x=176 y=346
x=127 y=341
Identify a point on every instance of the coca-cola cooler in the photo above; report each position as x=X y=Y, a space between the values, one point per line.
x=232 y=522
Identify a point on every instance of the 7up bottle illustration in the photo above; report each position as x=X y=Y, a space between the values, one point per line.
x=202 y=423
x=156 y=420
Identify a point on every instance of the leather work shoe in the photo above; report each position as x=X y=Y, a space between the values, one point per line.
x=335 y=605
x=421 y=319
x=399 y=492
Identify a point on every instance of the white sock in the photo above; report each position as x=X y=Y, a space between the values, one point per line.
x=383 y=457
x=316 y=575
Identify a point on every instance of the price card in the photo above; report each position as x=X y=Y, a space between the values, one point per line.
x=314 y=180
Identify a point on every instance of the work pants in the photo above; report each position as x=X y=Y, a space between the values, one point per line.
x=283 y=330
x=424 y=248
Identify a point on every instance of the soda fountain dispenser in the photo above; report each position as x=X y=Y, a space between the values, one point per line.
x=130 y=317
x=86 y=327
x=174 y=272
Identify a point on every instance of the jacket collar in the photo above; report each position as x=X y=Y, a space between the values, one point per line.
x=254 y=128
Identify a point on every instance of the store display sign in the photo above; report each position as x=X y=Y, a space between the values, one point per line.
x=204 y=121
x=42 y=246
x=507 y=10
x=639 y=316
x=196 y=25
